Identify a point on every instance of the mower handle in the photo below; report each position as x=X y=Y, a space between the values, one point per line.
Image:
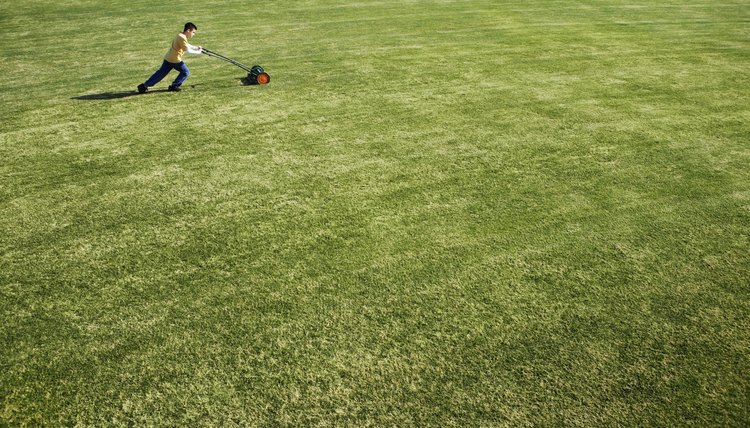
x=222 y=57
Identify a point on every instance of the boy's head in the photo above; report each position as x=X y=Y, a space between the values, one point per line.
x=189 y=29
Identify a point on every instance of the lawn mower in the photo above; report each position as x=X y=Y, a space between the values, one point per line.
x=255 y=75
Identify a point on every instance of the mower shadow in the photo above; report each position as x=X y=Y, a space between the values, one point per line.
x=114 y=95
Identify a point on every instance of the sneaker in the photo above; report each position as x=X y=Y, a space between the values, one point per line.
x=174 y=88
x=142 y=88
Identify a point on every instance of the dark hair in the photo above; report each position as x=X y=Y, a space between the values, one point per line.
x=190 y=26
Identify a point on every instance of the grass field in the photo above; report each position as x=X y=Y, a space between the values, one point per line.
x=439 y=213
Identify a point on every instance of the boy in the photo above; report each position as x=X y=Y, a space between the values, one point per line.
x=173 y=60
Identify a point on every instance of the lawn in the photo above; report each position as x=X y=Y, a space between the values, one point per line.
x=438 y=213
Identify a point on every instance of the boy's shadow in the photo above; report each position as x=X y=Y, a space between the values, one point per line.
x=115 y=95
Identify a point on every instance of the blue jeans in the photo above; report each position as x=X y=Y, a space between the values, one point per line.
x=166 y=67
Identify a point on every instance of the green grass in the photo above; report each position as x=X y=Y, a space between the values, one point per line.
x=439 y=213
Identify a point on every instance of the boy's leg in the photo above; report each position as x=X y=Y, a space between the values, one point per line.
x=184 y=73
x=161 y=73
